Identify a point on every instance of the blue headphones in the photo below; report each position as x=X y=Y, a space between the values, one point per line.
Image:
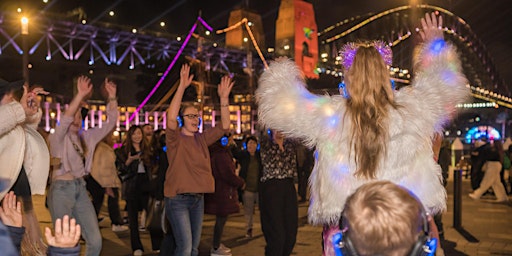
x=244 y=146
x=343 y=88
x=179 y=118
x=224 y=140
x=424 y=246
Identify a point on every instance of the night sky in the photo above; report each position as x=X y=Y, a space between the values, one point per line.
x=490 y=20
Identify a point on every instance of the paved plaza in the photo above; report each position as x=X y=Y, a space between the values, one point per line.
x=490 y=223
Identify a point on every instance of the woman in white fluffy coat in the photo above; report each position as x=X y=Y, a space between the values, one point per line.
x=375 y=133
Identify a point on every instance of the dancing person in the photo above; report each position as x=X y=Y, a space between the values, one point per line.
x=372 y=132
x=382 y=218
x=104 y=176
x=189 y=175
x=75 y=149
x=135 y=165
x=224 y=200
x=24 y=153
x=250 y=171
x=279 y=210
x=492 y=166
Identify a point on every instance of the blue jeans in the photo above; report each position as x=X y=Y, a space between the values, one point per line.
x=185 y=214
x=69 y=197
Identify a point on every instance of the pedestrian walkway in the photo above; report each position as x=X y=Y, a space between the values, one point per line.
x=490 y=223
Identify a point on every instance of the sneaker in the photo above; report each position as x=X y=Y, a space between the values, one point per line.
x=119 y=228
x=138 y=252
x=142 y=229
x=249 y=233
x=219 y=252
x=473 y=196
x=224 y=248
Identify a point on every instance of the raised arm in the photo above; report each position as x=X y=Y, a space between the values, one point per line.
x=223 y=90
x=34 y=105
x=286 y=105
x=439 y=84
x=174 y=107
x=93 y=136
x=84 y=87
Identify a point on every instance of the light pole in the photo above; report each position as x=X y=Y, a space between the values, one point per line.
x=24 y=35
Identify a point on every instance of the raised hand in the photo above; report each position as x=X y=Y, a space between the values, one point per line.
x=27 y=102
x=431 y=27
x=225 y=86
x=111 y=88
x=84 y=86
x=67 y=233
x=10 y=212
x=185 y=77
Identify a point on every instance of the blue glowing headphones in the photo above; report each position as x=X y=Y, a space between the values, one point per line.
x=224 y=140
x=179 y=119
x=424 y=246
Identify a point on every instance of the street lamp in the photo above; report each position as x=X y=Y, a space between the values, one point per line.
x=24 y=34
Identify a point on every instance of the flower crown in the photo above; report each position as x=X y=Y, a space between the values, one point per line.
x=349 y=50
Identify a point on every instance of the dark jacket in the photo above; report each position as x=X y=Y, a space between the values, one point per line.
x=224 y=200
x=128 y=175
x=243 y=157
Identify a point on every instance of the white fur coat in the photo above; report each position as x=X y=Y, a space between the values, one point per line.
x=285 y=104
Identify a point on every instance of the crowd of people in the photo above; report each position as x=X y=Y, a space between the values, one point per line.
x=366 y=146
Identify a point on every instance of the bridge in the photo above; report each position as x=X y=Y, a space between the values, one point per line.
x=55 y=39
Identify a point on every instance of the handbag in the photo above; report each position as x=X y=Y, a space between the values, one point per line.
x=156 y=220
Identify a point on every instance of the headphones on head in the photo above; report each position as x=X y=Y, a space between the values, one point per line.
x=224 y=140
x=424 y=245
x=180 y=119
x=342 y=88
x=244 y=144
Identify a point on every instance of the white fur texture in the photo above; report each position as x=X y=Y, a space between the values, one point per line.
x=286 y=105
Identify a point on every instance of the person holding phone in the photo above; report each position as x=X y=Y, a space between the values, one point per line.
x=134 y=163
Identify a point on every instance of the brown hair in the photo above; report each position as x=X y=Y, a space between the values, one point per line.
x=370 y=96
x=383 y=218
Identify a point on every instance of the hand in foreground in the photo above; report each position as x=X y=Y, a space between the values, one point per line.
x=225 y=86
x=27 y=102
x=431 y=27
x=10 y=212
x=111 y=88
x=84 y=86
x=185 y=77
x=67 y=233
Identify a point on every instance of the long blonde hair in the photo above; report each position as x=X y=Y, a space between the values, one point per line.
x=370 y=96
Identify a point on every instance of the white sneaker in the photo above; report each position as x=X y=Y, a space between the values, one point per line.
x=138 y=252
x=224 y=248
x=219 y=252
x=119 y=228
x=473 y=196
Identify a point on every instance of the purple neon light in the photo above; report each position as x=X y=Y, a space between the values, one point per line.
x=165 y=73
x=205 y=24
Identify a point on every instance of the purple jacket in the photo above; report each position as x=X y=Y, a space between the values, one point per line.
x=224 y=200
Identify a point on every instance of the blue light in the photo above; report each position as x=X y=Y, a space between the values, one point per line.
x=437 y=46
x=224 y=141
x=342 y=87
x=478 y=132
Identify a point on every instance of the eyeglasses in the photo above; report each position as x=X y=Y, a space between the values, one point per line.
x=191 y=116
